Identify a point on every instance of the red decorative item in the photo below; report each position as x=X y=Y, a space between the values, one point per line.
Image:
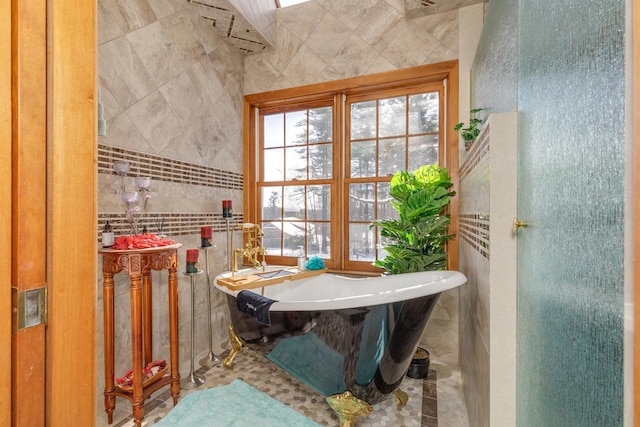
x=205 y=232
x=227 y=212
x=192 y=255
x=150 y=374
x=141 y=241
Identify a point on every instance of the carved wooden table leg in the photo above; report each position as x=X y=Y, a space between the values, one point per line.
x=109 y=386
x=147 y=313
x=135 y=270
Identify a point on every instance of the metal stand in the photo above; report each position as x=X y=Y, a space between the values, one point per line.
x=210 y=359
x=229 y=249
x=193 y=380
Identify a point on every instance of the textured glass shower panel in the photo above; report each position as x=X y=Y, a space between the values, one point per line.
x=495 y=65
x=571 y=184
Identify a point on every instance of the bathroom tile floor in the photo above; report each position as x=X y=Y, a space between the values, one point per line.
x=432 y=402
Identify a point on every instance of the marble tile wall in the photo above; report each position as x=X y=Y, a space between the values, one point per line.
x=475 y=256
x=195 y=182
x=172 y=93
x=488 y=204
x=324 y=40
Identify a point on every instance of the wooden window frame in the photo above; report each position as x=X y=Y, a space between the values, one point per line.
x=356 y=265
x=446 y=72
x=334 y=102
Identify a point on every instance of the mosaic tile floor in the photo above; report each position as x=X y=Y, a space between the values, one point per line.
x=253 y=368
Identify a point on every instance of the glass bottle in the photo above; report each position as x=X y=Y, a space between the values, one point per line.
x=107 y=236
x=302 y=261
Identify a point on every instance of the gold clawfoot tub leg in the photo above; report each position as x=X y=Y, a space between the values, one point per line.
x=236 y=346
x=401 y=399
x=348 y=408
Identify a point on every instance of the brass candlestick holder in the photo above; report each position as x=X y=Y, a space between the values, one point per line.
x=229 y=243
x=210 y=359
x=194 y=379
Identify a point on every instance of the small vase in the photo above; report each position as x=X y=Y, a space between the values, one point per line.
x=419 y=367
x=467 y=145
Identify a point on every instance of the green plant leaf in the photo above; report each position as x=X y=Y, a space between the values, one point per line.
x=415 y=241
x=471 y=132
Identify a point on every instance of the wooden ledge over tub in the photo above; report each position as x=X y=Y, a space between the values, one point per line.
x=267 y=278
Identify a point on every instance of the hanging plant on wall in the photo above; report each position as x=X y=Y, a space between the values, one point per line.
x=471 y=132
x=416 y=240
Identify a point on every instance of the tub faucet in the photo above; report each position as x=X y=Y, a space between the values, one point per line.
x=252 y=249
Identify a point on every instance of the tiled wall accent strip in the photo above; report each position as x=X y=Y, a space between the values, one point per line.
x=166 y=169
x=175 y=224
x=473 y=228
x=479 y=151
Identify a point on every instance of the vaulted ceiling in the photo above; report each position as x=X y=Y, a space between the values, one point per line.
x=417 y=8
x=250 y=25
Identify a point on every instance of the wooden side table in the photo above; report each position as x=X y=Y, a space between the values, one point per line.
x=138 y=264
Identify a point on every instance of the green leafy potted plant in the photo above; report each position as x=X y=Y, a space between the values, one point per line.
x=471 y=132
x=416 y=240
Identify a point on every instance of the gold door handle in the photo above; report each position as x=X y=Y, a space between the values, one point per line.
x=519 y=224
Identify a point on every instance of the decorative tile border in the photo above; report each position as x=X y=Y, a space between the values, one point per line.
x=166 y=169
x=175 y=224
x=169 y=170
x=430 y=400
x=473 y=228
x=479 y=152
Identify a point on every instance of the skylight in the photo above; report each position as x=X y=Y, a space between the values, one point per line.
x=285 y=3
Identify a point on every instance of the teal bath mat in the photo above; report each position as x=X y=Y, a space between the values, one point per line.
x=310 y=360
x=232 y=405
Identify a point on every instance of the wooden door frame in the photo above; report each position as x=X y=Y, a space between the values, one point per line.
x=72 y=213
x=635 y=20
x=48 y=70
x=85 y=390
x=5 y=212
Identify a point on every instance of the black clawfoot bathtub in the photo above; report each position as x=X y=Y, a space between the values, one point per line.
x=337 y=333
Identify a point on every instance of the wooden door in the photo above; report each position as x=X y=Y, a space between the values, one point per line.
x=48 y=239
x=5 y=212
x=28 y=202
